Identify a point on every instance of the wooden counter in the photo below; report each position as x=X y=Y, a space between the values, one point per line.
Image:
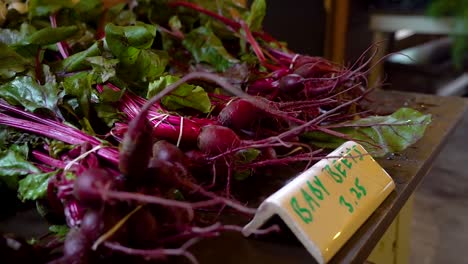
x=407 y=169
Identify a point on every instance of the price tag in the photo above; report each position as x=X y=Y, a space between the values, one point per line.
x=326 y=204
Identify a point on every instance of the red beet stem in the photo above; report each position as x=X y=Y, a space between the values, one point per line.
x=62 y=45
x=66 y=134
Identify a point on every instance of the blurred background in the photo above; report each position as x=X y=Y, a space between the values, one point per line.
x=422 y=45
x=428 y=32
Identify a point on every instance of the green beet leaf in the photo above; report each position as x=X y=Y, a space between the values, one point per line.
x=131 y=45
x=121 y=17
x=50 y=35
x=15 y=38
x=232 y=9
x=89 y=104
x=108 y=95
x=108 y=114
x=46 y=7
x=57 y=148
x=106 y=110
x=121 y=39
x=186 y=95
x=86 y=8
x=379 y=135
x=175 y=24
x=14 y=164
x=256 y=15
x=206 y=47
x=22 y=149
x=11 y=137
x=241 y=175
x=89 y=9
x=79 y=86
x=34 y=186
x=28 y=93
x=4 y=133
x=11 y=62
x=103 y=68
x=59 y=231
x=9 y=36
x=150 y=64
x=78 y=60
x=245 y=156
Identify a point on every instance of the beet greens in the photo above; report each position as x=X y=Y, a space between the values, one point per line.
x=134 y=126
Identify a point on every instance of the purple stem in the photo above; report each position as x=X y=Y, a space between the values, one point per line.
x=73 y=213
x=63 y=133
x=62 y=46
x=43 y=167
x=46 y=159
x=167 y=126
x=73 y=132
x=40 y=129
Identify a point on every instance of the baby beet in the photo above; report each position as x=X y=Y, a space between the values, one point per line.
x=143 y=228
x=76 y=247
x=163 y=150
x=238 y=114
x=217 y=139
x=87 y=185
x=291 y=83
x=136 y=149
x=196 y=158
x=92 y=224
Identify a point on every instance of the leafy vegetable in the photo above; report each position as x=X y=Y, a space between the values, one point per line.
x=89 y=8
x=45 y=7
x=175 y=24
x=379 y=134
x=34 y=186
x=103 y=68
x=247 y=155
x=11 y=62
x=126 y=42
x=9 y=36
x=79 y=86
x=118 y=15
x=149 y=65
x=59 y=230
x=57 y=148
x=11 y=137
x=78 y=61
x=24 y=91
x=50 y=35
x=205 y=46
x=131 y=45
x=14 y=164
x=256 y=15
x=186 y=95
x=105 y=108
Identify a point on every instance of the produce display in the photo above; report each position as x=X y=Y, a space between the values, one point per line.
x=133 y=125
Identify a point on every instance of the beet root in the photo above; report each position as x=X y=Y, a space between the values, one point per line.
x=217 y=139
x=239 y=114
x=87 y=185
x=135 y=150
